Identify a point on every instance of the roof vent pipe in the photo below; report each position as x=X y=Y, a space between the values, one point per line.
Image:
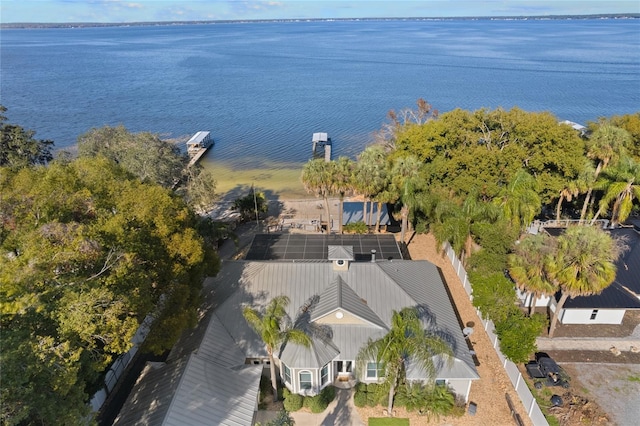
x=373 y=256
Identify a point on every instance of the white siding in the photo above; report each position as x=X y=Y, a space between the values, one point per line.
x=460 y=387
x=583 y=316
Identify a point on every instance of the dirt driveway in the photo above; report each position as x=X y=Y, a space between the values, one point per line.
x=614 y=387
x=488 y=392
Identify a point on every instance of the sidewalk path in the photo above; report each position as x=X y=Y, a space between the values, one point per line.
x=586 y=344
x=341 y=412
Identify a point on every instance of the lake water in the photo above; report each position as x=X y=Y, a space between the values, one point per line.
x=262 y=89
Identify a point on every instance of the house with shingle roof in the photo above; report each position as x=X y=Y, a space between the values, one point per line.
x=341 y=300
x=611 y=305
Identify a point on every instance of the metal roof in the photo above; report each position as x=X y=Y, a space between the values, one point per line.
x=198 y=138
x=382 y=287
x=320 y=137
x=352 y=212
x=340 y=253
x=315 y=247
x=340 y=297
x=209 y=386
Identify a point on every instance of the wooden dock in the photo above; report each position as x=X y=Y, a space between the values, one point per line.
x=197 y=146
x=196 y=156
x=324 y=141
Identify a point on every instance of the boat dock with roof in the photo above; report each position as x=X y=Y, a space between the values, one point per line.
x=322 y=140
x=198 y=145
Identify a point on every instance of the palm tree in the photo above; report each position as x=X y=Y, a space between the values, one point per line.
x=605 y=145
x=370 y=175
x=317 y=178
x=406 y=342
x=405 y=175
x=569 y=191
x=519 y=200
x=274 y=330
x=582 y=265
x=622 y=186
x=342 y=181
x=526 y=265
x=455 y=223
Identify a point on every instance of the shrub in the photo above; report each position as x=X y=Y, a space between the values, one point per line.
x=360 y=398
x=283 y=419
x=315 y=403
x=293 y=402
x=494 y=295
x=518 y=333
x=440 y=401
x=319 y=403
x=356 y=228
x=411 y=396
x=328 y=394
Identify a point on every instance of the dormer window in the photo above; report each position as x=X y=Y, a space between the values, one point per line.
x=341 y=256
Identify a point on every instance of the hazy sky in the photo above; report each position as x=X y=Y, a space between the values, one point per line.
x=187 y=10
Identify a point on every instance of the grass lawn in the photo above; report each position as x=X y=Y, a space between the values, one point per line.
x=387 y=421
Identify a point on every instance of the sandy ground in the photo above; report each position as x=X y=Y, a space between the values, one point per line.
x=488 y=392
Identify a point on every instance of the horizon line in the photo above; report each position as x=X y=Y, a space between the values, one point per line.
x=223 y=21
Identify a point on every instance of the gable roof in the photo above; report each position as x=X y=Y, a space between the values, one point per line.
x=340 y=297
x=208 y=386
x=340 y=253
x=314 y=287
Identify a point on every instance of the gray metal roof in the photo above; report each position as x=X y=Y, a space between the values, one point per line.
x=339 y=296
x=381 y=287
x=354 y=212
x=340 y=252
x=320 y=137
x=209 y=386
x=211 y=394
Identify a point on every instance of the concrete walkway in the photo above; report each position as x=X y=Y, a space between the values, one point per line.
x=340 y=411
x=586 y=344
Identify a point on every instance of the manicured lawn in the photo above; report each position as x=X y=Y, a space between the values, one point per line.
x=387 y=421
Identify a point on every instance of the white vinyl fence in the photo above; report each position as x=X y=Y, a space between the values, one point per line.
x=518 y=382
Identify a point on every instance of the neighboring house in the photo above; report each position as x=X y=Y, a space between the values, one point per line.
x=610 y=306
x=342 y=297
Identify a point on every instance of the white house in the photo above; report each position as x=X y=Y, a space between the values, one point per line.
x=610 y=306
x=342 y=298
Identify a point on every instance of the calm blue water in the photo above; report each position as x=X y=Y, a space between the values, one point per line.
x=262 y=89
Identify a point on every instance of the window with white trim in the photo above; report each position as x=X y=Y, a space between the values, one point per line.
x=373 y=370
x=305 y=380
x=287 y=373
x=324 y=375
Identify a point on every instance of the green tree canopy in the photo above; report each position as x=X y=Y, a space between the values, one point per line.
x=143 y=154
x=18 y=147
x=87 y=251
x=482 y=150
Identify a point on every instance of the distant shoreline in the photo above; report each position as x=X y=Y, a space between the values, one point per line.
x=44 y=25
